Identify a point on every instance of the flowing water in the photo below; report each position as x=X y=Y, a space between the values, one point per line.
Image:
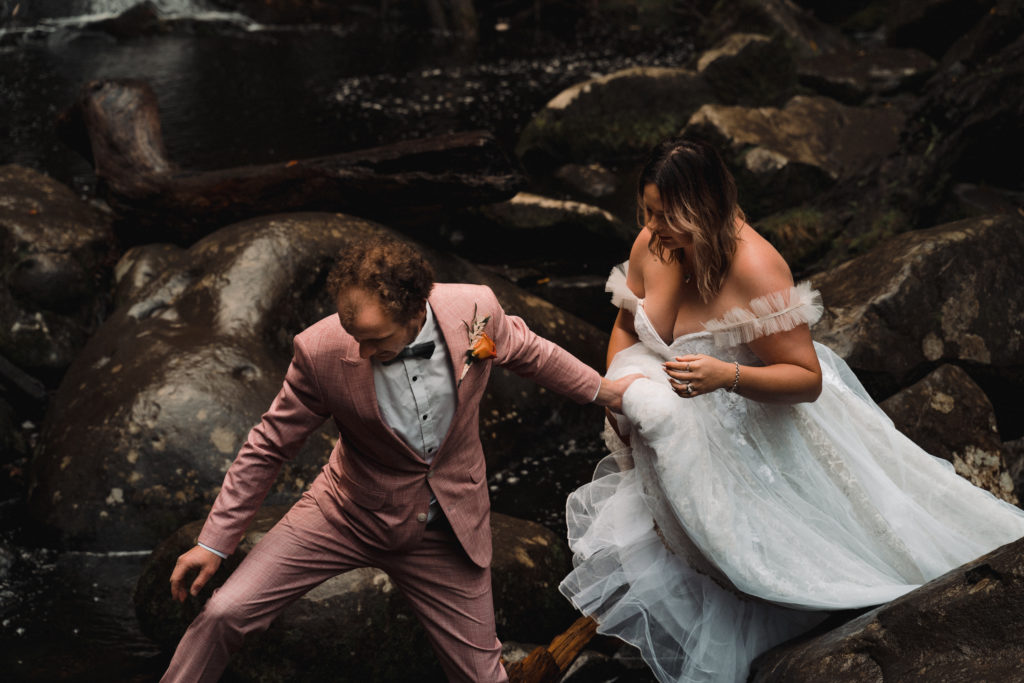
x=232 y=92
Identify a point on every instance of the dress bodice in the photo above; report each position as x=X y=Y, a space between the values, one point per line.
x=724 y=337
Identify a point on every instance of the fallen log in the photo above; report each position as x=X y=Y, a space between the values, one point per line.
x=116 y=125
x=547 y=664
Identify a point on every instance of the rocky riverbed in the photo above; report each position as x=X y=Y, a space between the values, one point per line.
x=878 y=150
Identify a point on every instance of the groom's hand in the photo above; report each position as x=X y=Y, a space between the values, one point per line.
x=610 y=393
x=198 y=558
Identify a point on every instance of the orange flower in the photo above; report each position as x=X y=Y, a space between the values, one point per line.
x=483 y=348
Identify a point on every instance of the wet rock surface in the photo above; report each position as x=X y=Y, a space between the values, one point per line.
x=608 y=118
x=749 y=69
x=784 y=156
x=963 y=626
x=949 y=416
x=154 y=409
x=852 y=77
x=56 y=255
x=943 y=295
x=386 y=643
x=777 y=18
x=558 y=236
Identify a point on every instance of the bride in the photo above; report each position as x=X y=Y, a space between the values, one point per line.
x=752 y=485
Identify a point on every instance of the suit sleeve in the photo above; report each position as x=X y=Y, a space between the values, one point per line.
x=295 y=413
x=529 y=355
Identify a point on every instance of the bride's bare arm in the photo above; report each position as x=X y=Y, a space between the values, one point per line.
x=790 y=374
x=623 y=334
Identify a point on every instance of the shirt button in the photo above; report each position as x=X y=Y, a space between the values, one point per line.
x=430 y=474
x=415 y=377
x=424 y=417
x=422 y=517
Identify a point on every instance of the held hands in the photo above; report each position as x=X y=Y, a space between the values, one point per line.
x=611 y=391
x=198 y=558
x=693 y=375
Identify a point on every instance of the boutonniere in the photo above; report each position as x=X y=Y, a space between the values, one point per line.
x=481 y=346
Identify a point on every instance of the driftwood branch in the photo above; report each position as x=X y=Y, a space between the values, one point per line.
x=547 y=664
x=116 y=124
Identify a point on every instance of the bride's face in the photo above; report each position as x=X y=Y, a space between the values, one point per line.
x=670 y=237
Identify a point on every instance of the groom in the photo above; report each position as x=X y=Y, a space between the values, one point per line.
x=401 y=370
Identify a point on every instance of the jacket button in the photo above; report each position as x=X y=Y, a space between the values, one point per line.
x=422 y=517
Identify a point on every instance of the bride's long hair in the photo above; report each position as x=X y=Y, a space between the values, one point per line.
x=695 y=188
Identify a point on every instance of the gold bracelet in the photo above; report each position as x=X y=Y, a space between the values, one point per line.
x=736 y=379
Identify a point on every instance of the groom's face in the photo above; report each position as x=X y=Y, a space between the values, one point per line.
x=379 y=335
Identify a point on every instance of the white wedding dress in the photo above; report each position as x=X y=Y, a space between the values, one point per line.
x=774 y=514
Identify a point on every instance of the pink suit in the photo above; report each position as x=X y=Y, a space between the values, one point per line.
x=368 y=505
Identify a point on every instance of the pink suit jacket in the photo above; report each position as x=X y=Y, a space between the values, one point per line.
x=374 y=482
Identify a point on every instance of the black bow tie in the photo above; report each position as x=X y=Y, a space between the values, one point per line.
x=424 y=350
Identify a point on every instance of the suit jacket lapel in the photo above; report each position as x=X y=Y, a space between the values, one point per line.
x=447 y=315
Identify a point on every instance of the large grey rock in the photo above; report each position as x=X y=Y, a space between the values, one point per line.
x=851 y=77
x=949 y=416
x=962 y=627
x=55 y=255
x=153 y=410
x=356 y=626
x=949 y=294
x=613 y=117
x=749 y=69
x=783 y=157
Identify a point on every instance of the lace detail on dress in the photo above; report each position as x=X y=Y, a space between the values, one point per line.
x=622 y=295
x=775 y=312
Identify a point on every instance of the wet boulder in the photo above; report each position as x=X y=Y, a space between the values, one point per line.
x=798 y=28
x=749 y=69
x=854 y=76
x=374 y=634
x=56 y=253
x=155 y=407
x=948 y=415
x=782 y=157
x=949 y=294
x=553 y=234
x=963 y=626
x=801 y=234
x=610 y=118
x=592 y=180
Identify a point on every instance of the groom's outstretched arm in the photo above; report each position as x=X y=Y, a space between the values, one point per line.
x=527 y=354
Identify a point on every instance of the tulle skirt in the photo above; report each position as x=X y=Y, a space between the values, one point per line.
x=728 y=526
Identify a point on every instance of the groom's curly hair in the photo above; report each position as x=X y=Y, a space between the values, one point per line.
x=394 y=271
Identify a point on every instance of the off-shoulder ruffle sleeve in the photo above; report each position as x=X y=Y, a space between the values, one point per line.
x=622 y=295
x=775 y=312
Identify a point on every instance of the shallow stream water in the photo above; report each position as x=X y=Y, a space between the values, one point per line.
x=234 y=92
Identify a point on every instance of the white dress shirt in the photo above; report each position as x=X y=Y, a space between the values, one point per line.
x=417 y=395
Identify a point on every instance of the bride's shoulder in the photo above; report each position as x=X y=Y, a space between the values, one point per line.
x=761 y=296
x=757 y=268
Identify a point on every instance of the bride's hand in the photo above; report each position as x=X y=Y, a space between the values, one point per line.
x=693 y=375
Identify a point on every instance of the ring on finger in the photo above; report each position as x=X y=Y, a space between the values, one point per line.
x=689 y=388
x=687 y=367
